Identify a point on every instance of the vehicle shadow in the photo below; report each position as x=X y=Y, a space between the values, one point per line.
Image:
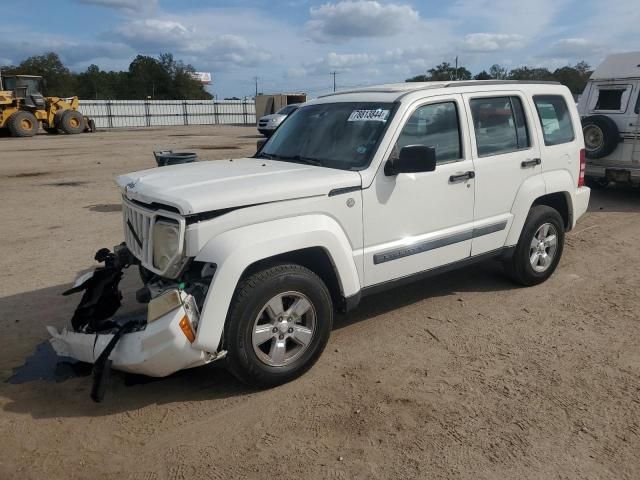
x=24 y=317
x=615 y=198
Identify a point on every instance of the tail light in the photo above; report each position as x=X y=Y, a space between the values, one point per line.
x=583 y=165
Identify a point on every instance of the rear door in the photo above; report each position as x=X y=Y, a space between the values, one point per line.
x=506 y=154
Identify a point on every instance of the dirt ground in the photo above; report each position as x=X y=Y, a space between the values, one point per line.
x=460 y=376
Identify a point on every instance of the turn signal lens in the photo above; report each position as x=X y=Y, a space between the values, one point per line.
x=583 y=166
x=185 y=326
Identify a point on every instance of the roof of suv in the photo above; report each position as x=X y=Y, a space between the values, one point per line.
x=394 y=91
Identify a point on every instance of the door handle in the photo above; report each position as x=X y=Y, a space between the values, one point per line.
x=531 y=163
x=462 y=176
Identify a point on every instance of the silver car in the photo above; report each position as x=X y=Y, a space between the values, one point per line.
x=269 y=123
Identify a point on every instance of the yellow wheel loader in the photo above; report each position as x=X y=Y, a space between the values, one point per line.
x=23 y=109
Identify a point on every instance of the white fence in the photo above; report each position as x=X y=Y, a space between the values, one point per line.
x=150 y=113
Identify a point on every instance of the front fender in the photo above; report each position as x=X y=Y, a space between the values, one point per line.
x=235 y=250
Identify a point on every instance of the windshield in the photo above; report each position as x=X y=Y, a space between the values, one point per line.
x=287 y=110
x=334 y=135
x=32 y=84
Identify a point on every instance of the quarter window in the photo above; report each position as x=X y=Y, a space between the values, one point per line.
x=499 y=124
x=555 y=119
x=610 y=98
x=435 y=125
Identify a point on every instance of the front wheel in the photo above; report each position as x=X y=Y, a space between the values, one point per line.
x=72 y=122
x=278 y=324
x=539 y=248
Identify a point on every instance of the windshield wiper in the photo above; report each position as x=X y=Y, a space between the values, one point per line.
x=299 y=159
x=267 y=156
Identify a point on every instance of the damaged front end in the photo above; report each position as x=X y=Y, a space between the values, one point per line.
x=157 y=345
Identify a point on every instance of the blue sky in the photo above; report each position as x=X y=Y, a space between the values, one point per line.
x=292 y=45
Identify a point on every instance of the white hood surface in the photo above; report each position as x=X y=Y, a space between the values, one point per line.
x=217 y=184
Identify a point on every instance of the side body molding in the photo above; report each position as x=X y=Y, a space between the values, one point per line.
x=235 y=250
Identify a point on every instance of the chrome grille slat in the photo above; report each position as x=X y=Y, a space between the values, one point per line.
x=142 y=221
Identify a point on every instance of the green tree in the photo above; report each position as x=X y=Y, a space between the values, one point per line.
x=483 y=75
x=526 y=73
x=498 y=72
x=443 y=72
x=575 y=78
x=59 y=81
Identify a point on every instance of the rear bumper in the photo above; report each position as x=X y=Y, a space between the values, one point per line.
x=580 y=203
x=608 y=171
x=159 y=350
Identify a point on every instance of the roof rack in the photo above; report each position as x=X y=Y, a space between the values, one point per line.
x=435 y=84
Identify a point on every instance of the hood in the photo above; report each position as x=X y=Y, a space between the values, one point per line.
x=213 y=185
x=276 y=116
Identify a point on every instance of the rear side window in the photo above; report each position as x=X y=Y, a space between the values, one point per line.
x=609 y=100
x=434 y=125
x=499 y=124
x=555 y=119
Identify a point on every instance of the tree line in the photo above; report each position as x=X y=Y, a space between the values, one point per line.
x=162 y=78
x=574 y=77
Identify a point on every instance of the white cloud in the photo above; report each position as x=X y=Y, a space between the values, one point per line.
x=153 y=35
x=361 y=18
x=575 y=47
x=131 y=5
x=490 y=42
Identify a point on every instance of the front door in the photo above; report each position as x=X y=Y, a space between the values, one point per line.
x=419 y=221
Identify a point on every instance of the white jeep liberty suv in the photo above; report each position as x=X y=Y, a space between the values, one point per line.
x=357 y=191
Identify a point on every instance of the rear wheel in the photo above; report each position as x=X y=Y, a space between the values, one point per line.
x=71 y=122
x=539 y=248
x=278 y=325
x=23 y=124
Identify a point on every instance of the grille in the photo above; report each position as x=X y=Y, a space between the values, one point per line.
x=263 y=123
x=138 y=225
x=137 y=230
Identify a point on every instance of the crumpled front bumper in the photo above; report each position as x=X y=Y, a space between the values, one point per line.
x=157 y=351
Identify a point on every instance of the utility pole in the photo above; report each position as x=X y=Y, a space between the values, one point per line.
x=456 y=68
x=334 y=79
x=255 y=79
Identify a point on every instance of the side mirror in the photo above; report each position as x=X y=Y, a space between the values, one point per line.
x=260 y=143
x=412 y=159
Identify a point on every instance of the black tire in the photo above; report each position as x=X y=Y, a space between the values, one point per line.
x=601 y=136
x=23 y=124
x=91 y=125
x=250 y=297
x=72 y=122
x=519 y=266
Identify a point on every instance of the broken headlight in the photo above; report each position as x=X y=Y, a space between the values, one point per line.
x=166 y=242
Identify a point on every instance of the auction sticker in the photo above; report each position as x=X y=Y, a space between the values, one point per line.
x=378 y=115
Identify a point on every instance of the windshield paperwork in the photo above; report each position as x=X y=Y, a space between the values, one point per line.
x=334 y=135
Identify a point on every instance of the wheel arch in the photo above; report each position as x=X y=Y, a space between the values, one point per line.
x=314 y=241
x=559 y=201
x=317 y=259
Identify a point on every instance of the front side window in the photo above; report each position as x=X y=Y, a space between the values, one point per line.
x=342 y=135
x=638 y=104
x=555 y=119
x=500 y=125
x=436 y=126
